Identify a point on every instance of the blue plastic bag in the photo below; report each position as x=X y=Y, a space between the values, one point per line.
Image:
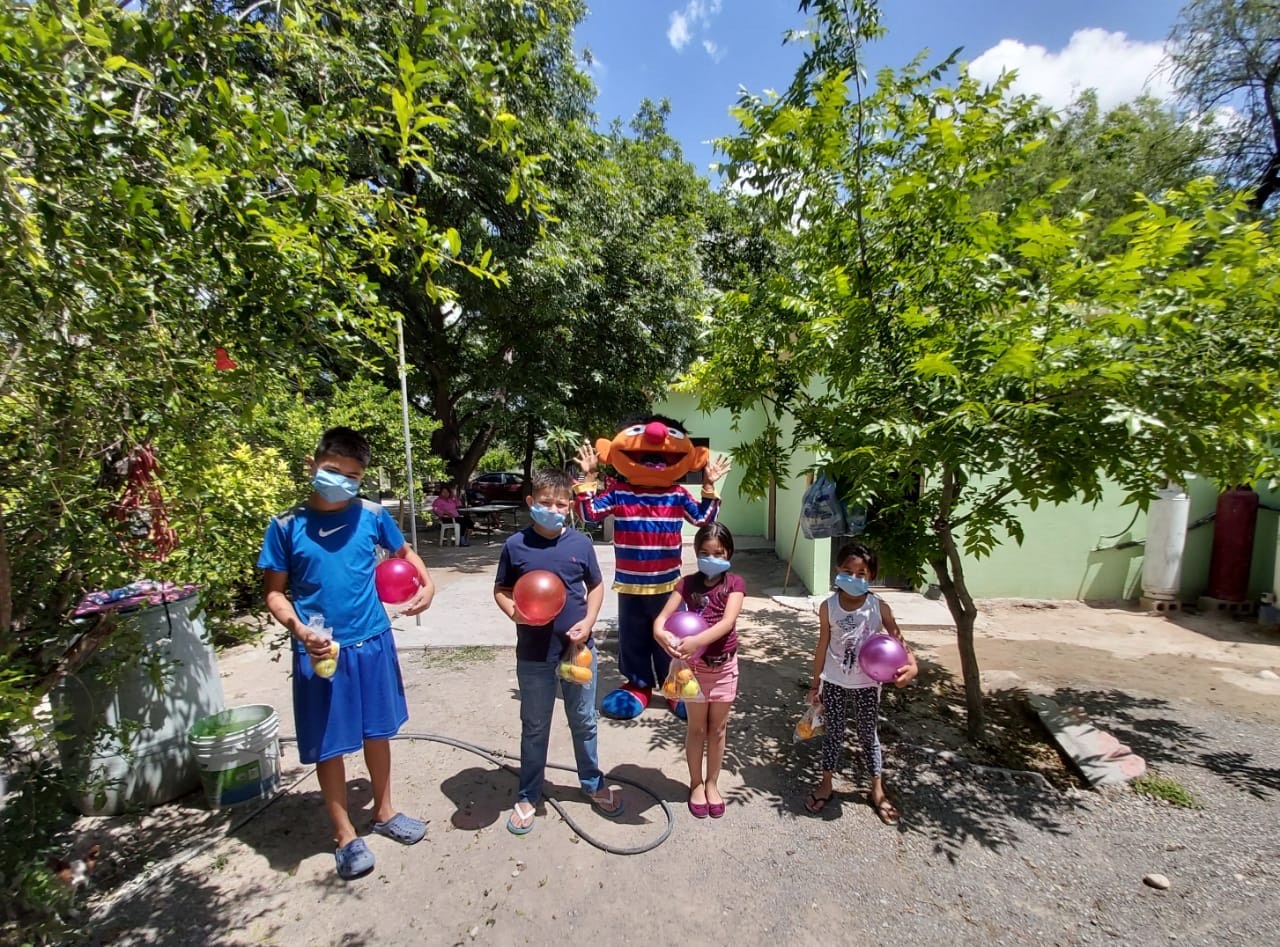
x=821 y=512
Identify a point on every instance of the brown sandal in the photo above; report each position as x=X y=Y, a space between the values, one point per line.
x=815 y=803
x=886 y=811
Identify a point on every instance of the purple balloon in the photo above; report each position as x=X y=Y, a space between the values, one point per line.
x=880 y=657
x=685 y=624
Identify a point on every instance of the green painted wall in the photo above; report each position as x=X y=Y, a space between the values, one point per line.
x=742 y=517
x=1067 y=554
x=809 y=565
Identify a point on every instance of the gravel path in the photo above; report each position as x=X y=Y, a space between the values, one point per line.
x=978 y=859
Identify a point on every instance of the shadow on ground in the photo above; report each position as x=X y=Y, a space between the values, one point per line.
x=137 y=902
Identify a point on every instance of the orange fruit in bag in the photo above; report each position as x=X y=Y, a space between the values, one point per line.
x=583 y=658
x=581 y=675
x=670 y=689
x=684 y=675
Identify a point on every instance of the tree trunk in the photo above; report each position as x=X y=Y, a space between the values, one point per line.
x=964 y=612
x=6 y=590
x=530 y=444
x=950 y=572
x=462 y=468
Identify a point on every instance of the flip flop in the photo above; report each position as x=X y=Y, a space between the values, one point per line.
x=513 y=827
x=618 y=806
x=354 y=860
x=402 y=828
x=815 y=803
x=887 y=813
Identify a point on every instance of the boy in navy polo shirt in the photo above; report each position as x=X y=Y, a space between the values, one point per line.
x=549 y=544
x=323 y=552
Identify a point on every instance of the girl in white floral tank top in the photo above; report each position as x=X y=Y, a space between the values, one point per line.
x=846 y=620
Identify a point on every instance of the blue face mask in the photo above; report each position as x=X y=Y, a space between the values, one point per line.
x=547 y=519
x=712 y=566
x=852 y=584
x=334 y=487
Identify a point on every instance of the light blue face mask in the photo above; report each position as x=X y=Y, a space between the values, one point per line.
x=334 y=487
x=547 y=519
x=853 y=585
x=712 y=566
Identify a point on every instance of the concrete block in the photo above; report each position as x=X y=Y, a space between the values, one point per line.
x=1101 y=758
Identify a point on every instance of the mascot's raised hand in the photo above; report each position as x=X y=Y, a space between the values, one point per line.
x=651 y=455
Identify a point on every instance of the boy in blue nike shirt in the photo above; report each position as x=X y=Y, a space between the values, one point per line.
x=323 y=552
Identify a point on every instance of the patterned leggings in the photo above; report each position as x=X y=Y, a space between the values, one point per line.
x=836 y=704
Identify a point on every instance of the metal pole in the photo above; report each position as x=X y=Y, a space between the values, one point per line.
x=408 y=443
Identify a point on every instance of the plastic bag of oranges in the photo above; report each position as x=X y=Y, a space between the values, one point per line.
x=810 y=724
x=575 y=664
x=682 y=684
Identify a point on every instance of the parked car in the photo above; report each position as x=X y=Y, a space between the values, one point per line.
x=499 y=487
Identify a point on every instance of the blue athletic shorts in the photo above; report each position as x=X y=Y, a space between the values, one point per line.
x=364 y=700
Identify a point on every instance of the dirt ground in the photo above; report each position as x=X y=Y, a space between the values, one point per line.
x=976 y=859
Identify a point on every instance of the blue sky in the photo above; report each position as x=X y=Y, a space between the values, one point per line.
x=698 y=53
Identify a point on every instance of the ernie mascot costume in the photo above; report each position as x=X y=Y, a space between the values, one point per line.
x=653 y=454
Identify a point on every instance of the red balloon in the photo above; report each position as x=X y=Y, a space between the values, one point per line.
x=540 y=596
x=396 y=581
x=686 y=624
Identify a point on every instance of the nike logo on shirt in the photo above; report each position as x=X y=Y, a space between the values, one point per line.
x=330 y=532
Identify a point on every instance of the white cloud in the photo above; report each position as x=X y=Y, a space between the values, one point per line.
x=713 y=50
x=696 y=15
x=678 y=33
x=1120 y=69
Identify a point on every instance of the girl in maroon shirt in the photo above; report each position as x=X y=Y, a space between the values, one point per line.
x=717 y=594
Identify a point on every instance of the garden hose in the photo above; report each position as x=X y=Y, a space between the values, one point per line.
x=497 y=757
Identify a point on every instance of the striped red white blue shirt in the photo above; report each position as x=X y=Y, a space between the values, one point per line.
x=646 y=532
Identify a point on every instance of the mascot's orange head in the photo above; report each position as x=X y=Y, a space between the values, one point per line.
x=652 y=452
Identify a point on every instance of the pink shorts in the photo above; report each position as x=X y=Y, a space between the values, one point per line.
x=720 y=683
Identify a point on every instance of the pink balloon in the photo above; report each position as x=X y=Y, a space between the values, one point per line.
x=880 y=657
x=540 y=595
x=685 y=624
x=396 y=581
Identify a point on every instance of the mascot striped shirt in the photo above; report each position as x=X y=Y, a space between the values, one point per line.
x=647 y=531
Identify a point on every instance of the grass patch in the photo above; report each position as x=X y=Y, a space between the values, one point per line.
x=453 y=658
x=1170 y=790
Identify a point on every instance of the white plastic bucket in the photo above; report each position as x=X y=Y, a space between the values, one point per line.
x=238 y=753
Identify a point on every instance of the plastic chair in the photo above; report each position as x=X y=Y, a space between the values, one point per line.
x=452 y=531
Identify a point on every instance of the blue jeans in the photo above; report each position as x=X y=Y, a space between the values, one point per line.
x=538 y=680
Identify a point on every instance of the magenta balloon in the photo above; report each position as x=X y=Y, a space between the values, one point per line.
x=880 y=657
x=396 y=581
x=540 y=595
x=685 y=624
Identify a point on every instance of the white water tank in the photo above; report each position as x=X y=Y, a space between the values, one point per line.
x=1166 y=540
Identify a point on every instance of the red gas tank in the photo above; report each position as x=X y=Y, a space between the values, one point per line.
x=1232 y=556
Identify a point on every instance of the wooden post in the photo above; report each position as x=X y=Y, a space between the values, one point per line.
x=786 y=579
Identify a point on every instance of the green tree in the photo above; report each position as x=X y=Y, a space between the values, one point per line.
x=597 y=311
x=955 y=363
x=164 y=192
x=1226 y=63
x=1106 y=160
